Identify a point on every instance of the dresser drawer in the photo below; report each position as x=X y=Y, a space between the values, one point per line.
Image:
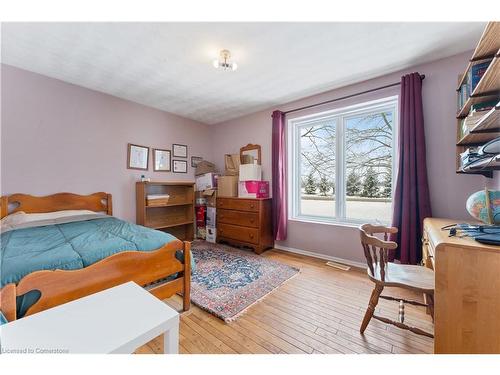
x=238 y=204
x=236 y=232
x=246 y=219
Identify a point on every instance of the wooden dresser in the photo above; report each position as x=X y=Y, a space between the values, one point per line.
x=245 y=221
x=467 y=291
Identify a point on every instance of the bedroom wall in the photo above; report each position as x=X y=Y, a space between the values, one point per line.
x=448 y=190
x=61 y=137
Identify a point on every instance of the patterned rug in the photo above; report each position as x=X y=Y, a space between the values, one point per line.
x=228 y=280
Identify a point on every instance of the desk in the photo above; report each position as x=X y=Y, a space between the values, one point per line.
x=467 y=290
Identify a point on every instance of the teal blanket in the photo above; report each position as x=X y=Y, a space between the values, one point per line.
x=72 y=246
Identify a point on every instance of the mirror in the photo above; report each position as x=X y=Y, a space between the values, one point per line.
x=250 y=153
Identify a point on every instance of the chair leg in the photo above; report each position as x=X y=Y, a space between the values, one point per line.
x=371 y=306
x=430 y=305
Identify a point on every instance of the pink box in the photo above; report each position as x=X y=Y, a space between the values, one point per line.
x=253 y=189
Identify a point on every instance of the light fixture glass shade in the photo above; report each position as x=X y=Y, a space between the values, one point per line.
x=224 y=62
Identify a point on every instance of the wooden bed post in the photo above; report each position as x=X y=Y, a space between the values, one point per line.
x=109 y=205
x=8 y=302
x=186 y=300
x=4 y=206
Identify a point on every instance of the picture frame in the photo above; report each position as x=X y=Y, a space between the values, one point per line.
x=179 y=166
x=137 y=157
x=195 y=160
x=179 y=151
x=162 y=160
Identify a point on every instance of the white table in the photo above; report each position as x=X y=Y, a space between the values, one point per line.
x=116 y=320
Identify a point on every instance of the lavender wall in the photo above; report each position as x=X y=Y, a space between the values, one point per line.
x=61 y=137
x=448 y=189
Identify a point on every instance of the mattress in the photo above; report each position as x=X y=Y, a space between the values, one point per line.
x=72 y=245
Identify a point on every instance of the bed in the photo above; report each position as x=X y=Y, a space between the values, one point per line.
x=65 y=246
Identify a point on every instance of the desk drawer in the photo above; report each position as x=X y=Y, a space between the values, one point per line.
x=428 y=251
x=238 y=204
x=235 y=232
x=246 y=219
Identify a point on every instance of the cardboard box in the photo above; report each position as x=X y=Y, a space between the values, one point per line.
x=209 y=197
x=253 y=189
x=211 y=216
x=206 y=181
x=232 y=164
x=227 y=186
x=204 y=167
x=250 y=172
x=211 y=234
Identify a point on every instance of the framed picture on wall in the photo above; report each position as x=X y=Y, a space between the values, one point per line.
x=180 y=151
x=195 y=160
x=137 y=157
x=180 y=166
x=161 y=160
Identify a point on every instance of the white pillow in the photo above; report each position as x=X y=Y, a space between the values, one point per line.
x=22 y=217
x=13 y=219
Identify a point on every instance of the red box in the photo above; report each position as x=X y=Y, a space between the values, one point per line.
x=253 y=189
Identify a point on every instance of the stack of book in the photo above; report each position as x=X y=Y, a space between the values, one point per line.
x=476 y=113
x=157 y=199
x=469 y=156
x=473 y=76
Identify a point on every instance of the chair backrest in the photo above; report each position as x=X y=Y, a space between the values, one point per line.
x=372 y=245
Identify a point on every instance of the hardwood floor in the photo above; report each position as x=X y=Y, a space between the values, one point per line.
x=318 y=311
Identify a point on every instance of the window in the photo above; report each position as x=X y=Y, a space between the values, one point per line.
x=342 y=164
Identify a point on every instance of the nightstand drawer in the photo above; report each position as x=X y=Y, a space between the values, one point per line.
x=235 y=232
x=246 y=219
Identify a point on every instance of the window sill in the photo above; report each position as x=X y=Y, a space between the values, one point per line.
x=348 y=224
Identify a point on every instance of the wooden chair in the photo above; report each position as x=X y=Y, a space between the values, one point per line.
x=385 y=274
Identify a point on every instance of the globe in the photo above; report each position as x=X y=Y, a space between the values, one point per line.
x=476 y=205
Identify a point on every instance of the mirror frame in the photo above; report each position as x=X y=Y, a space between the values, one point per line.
x=250 y=147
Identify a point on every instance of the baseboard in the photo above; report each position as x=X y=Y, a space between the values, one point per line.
x=321 y=256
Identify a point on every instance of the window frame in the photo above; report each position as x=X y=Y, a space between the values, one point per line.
x=338 y=115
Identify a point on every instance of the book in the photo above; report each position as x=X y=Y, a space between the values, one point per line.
x=483 y=106
x=477 y=71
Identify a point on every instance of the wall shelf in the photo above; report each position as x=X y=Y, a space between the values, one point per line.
x=488 y=44
x=487 y=89
x=486 y=48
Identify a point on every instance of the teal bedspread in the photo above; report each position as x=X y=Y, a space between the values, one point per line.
x=72 y=246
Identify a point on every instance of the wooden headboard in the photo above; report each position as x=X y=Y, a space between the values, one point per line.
x=98 y=202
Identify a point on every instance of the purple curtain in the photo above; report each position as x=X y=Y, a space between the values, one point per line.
x=279 y=177
x=411 y=200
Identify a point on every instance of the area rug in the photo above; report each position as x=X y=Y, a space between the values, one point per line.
x=228 y=280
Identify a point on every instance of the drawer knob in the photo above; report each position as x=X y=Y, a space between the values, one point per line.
x=251 y=235
x=252 y=220
x=252 y=206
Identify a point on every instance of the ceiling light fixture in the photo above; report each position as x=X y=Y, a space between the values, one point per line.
x=223 y=61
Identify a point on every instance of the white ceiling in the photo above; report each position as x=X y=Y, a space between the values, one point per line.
x=169 y=65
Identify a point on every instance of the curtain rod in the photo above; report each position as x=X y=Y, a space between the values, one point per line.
x=422 y=77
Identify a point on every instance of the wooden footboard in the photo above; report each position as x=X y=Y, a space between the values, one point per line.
x=61 y=286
